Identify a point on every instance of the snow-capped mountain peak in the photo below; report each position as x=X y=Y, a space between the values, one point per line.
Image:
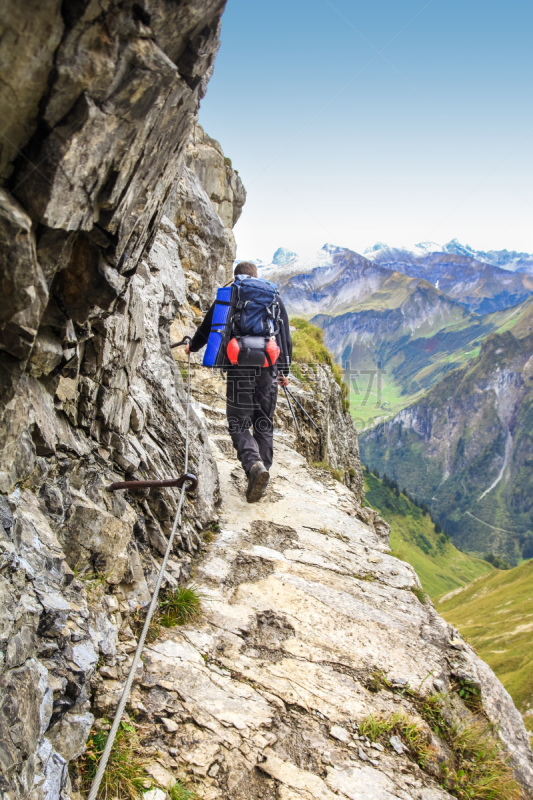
x=283 y=256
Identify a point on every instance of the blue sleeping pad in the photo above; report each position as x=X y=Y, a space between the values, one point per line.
x=220 y=315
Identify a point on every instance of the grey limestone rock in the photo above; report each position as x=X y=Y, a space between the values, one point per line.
x=30 y=36
x=69 y=735
x=103 y=97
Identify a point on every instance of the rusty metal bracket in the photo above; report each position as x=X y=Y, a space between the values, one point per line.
x=178 y=482
x=185 y=340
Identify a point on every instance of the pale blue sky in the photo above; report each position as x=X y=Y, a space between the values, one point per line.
x=429 y=139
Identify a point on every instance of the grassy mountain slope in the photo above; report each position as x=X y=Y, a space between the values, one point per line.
x=398 y=327
x=415 y=320
x=308 y=348
x=413 y=538
x=413 y=358
x=496 y=615
x=466 y=448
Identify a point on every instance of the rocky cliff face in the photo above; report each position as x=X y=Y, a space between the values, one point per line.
x=116 y=224
x=335 y=442
x=100 y=114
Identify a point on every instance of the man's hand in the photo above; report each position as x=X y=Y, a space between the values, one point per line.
x=186 y=350
x=283 y=380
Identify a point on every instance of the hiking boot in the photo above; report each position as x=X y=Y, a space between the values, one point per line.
x=258 y=478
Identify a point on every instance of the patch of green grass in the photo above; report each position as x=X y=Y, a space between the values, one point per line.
x=95 y=583
x=125 y=774
x=181 y=605
x=297 y=372
x=496 y=615
x=308 y=348
x=209 y=534
x=179 y=792
x=432 y=709
x=420 y=594
x=376 y=681
x=479 y=768
x=308 y=343
x=411 y=732
x=470 y=694
x=413 y=538
x=337 y=474
x=176 y=607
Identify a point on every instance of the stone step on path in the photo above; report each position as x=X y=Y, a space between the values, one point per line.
x=262 y=698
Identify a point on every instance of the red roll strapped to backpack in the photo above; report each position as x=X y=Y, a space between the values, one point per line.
x=234 y=349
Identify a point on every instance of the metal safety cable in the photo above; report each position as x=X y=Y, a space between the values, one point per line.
x=137 y=657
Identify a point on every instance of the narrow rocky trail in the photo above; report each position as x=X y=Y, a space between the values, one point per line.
x=263 y=697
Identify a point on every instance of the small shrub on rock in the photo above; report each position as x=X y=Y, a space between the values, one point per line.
x=125 y=776
x=180 y=606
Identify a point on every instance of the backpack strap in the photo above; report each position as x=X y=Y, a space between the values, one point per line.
x=273 y=317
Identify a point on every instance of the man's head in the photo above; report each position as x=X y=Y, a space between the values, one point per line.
x=246 y=268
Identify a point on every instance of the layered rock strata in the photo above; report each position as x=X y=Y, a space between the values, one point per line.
x=98 y=110
x=334 y=442
x=99 y=107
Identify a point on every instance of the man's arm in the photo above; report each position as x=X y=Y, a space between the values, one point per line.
x=201 y=336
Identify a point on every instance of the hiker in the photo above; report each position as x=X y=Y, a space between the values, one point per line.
x=251 y=391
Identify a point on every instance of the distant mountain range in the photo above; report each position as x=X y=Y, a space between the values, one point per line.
x=417 y=313
x=510 y=260
x=338 y=277
x=438 y=345
x=506 y=259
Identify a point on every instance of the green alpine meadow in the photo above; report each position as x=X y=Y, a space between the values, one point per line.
x=495 y=615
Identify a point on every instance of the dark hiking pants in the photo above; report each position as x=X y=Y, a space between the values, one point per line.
x=251 y=395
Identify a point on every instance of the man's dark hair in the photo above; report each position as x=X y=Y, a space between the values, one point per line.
x=246 y=268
